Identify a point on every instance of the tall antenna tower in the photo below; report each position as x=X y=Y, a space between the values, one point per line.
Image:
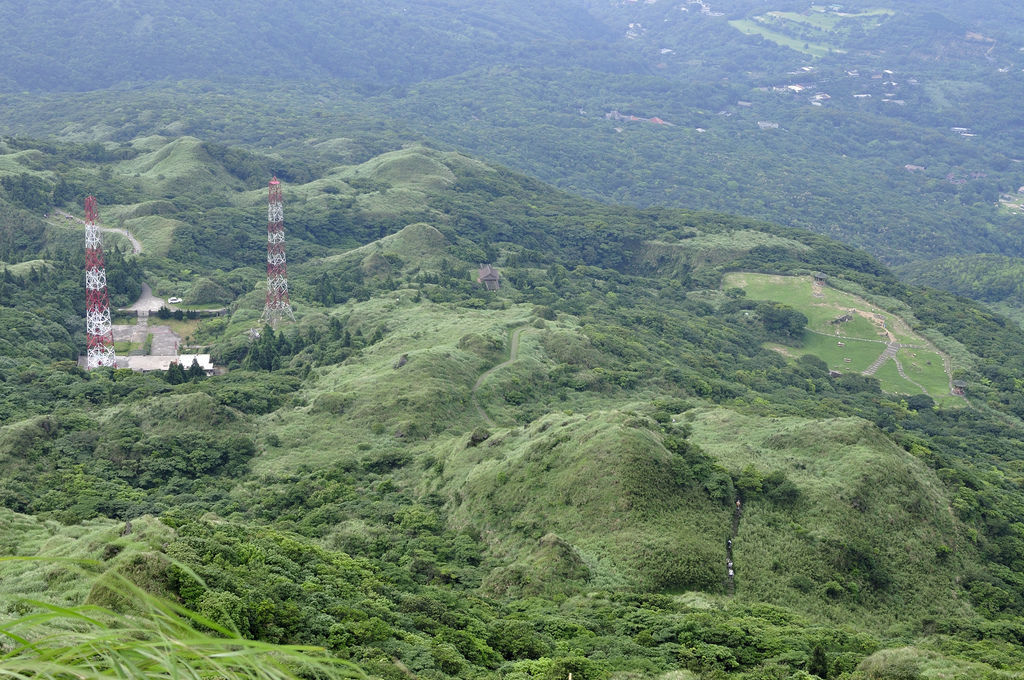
x=277 y=305
x=99 y=338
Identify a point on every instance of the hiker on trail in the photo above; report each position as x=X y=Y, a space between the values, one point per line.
x=730 y=573
x=728 y=543
x=737 y=503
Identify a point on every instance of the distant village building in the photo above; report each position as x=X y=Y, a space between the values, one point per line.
x=488 y=276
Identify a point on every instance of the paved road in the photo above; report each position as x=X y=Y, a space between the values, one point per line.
x=165 y=342
x=147 y=302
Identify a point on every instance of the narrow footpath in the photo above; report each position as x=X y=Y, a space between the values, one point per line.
x=513 y=354
x=730 y=567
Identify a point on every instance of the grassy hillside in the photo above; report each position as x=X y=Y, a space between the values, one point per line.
x=420 y=474
x=850 y=333
x=832 y=508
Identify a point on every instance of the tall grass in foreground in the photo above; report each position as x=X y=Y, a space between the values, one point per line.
x=158 y=639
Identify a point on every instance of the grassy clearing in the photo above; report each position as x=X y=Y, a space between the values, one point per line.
x=926 y=367
x=824 y=21
x=22 y=162
x=595 y=485
x=155 y=233
x=863 y=336
x=413 y=166
x=919 y=662
x=176 y=166
x=110 y=239
x=893 y=382
x=385 y=402
x=797 y=291
x=860 y=353
x=817 y=32
x=754 y=27
x=419 y=242
x=25 y=268
x=709 y=250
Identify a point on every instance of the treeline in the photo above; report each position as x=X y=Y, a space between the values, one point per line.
x=991 y=278
x=45 y=303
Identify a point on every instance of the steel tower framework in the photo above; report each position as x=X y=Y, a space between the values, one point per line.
x=98 y=334
x=277 y=305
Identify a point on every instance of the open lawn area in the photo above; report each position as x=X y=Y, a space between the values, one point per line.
x=867 y=321
x=817 y=32
x=752 y=27
x=853 y=344
x=927 y=369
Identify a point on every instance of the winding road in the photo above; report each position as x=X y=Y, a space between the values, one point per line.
x=136 y=245
x=513 y=354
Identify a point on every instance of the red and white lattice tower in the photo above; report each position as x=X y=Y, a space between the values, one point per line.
x=277 y=305
x=99 y=338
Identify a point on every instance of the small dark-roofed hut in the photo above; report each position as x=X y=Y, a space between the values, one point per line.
x=958 y=387
x=820 y=278
x=488 y=276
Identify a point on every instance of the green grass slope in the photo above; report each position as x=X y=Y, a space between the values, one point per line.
x=850 y=333
x=532 y=481
x=621 y=508
x=180 y=165
x=861 y=529
x=59 y=563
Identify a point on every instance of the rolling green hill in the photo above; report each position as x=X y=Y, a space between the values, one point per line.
x=425 y=477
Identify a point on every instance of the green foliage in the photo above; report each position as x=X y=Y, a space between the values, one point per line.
x=339 y=487
x=157 y=639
